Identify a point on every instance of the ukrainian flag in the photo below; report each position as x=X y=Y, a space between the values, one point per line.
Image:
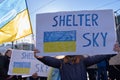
x=14 y=20
x=21 y=67
x=60 y=41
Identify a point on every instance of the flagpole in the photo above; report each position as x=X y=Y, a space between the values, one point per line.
x=12 y=44
x=31 y=47
x=28 y=15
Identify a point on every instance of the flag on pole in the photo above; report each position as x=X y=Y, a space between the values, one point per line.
x=14 y=20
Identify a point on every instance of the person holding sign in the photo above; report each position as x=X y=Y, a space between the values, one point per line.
x=73 y=67
x=2 y=68
x=7 y=57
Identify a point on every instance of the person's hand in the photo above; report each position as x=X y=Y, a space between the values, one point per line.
x=35 y=52
x=35 y=75
x=116 y=47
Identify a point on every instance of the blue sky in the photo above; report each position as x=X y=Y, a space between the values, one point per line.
x=47 y=6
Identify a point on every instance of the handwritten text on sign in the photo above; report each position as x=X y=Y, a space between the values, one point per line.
x=75 y=32
x=23 y=63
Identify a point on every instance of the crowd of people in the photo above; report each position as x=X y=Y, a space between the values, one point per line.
x=104 y=71
x=71 y=67
x=74 y=67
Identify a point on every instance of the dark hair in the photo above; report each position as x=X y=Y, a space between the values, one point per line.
x=7 y=51
x=73 y=59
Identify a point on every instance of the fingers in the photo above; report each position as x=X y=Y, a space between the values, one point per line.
x=35 y=75
x=36 y=51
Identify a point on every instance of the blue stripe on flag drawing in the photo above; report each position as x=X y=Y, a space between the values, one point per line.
x=21 y=64
x=56 y=36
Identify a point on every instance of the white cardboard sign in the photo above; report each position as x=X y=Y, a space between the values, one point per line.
x=23 y=63
x=76 y=32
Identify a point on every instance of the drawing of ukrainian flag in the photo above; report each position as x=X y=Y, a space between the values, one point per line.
x=21 y=67
x=14 y=20
x=60 y=41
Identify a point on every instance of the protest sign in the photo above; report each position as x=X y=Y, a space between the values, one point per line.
x=23 y=63
x=76 y=32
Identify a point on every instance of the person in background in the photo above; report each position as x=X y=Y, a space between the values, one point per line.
x=114 y=70
x=102 y=70
x=7 y=57
x=36 y=77
x=3 y=71
x=4 y=65
x=54 y=74
x=117 y=47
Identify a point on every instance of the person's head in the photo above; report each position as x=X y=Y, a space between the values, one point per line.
x=35 y=75
x=72 y=58
x=8 y=53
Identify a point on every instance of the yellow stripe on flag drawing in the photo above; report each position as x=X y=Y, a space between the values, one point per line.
x=68 y=46
x=21 y=70
x=21 y=67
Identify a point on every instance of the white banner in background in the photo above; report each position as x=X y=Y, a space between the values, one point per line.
x=23 y=63
x=76 y=32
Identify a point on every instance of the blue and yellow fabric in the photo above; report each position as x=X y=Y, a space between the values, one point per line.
x=14 y=20
x=54 y=74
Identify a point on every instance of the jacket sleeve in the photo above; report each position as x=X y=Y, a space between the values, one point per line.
x=3 y=70
x=51 y=61
x=97 y=58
